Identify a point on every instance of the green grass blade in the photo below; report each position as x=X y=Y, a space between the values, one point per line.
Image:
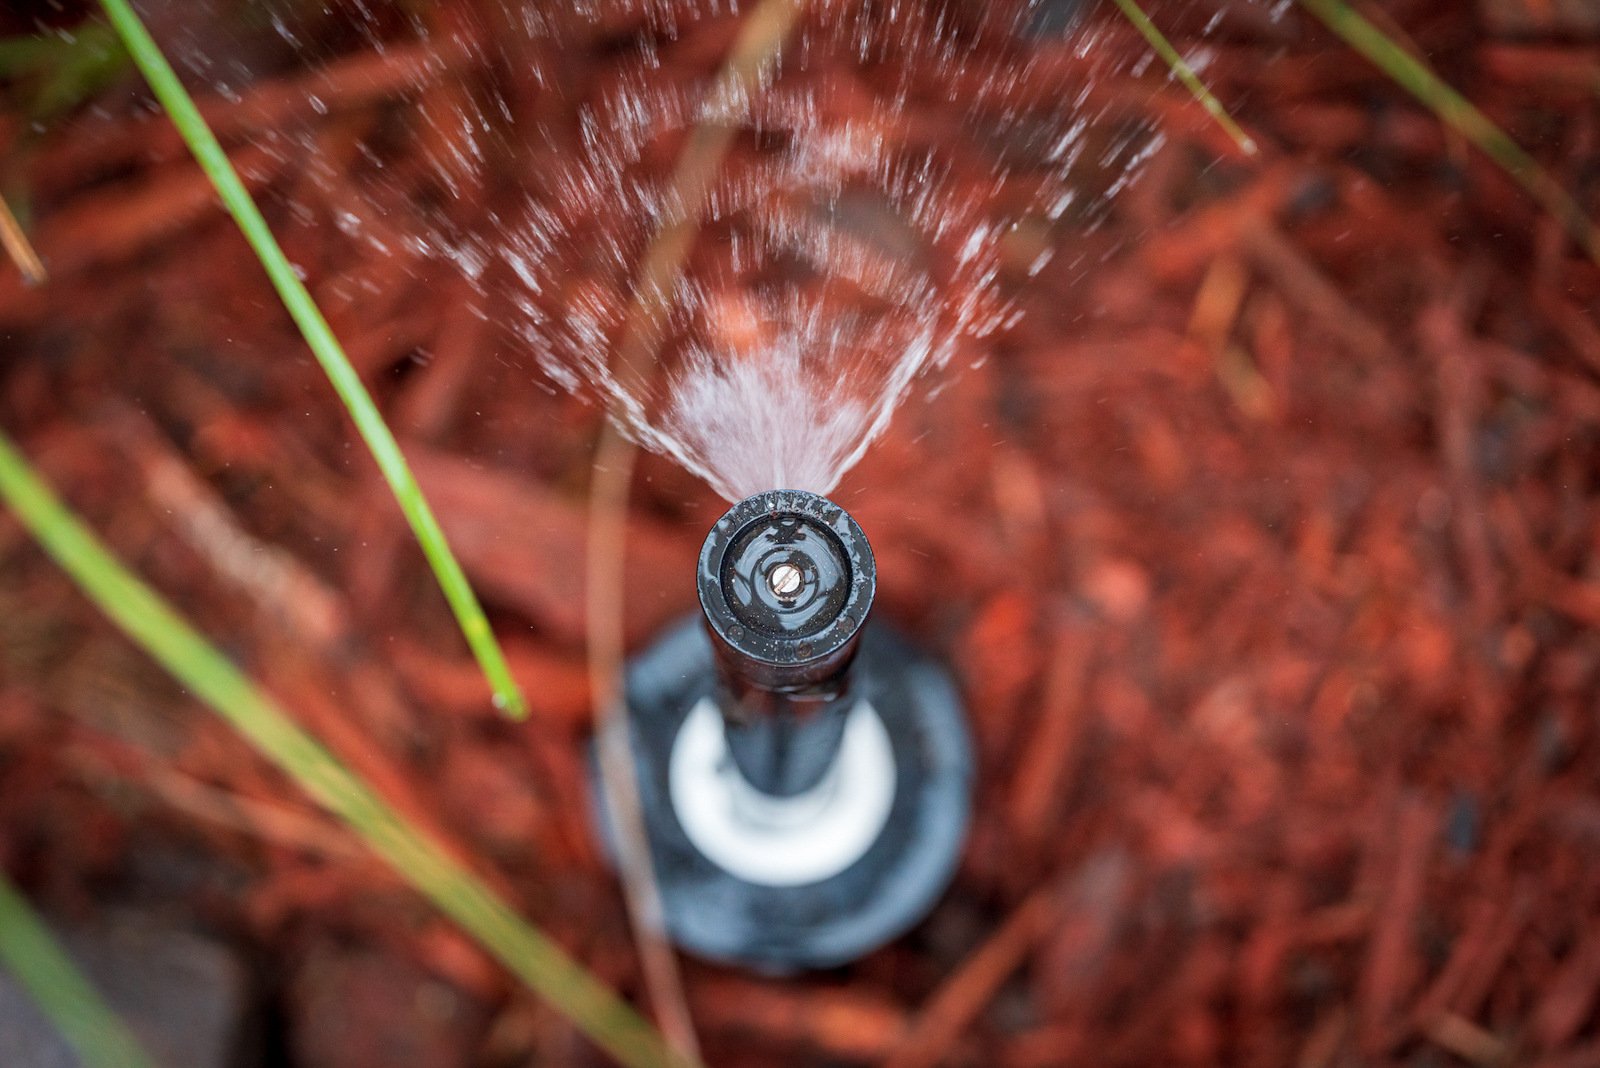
x=54 y=74
x=155 y=626
x=31 y=954
x=1457 y=112
x=202 y=142
x=1185 y=74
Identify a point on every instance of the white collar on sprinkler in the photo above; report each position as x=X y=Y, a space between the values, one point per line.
x=782 y=841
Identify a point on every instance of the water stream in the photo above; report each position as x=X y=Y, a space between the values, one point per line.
x=889 y=186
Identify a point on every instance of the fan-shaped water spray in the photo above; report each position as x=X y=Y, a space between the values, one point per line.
x=852 y=238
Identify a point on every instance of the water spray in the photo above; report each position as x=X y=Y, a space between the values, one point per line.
x=804 y=776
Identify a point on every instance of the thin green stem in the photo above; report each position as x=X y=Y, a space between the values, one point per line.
x=156 y=627
x=1185 y=74
x=214 y=161
x=1457 y=112
x=31 y=953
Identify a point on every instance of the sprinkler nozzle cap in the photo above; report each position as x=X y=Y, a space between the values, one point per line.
x=786 y=579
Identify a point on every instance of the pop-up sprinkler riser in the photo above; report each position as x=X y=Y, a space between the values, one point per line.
x=804 y=775
x=786 y=580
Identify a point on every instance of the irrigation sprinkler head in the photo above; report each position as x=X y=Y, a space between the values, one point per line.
x=786 y=579
x=804 y=778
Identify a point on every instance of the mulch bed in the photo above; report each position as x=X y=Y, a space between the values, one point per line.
x=1264 y=546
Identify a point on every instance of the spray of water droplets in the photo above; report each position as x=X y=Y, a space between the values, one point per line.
x=831 y=269
x=856 y=235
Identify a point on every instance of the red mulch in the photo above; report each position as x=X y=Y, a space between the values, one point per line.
x=1265 y=546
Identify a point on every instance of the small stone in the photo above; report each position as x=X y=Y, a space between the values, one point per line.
x=183 y=996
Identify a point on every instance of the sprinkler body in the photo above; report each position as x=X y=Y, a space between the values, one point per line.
x=804 y=776
x=785 y=581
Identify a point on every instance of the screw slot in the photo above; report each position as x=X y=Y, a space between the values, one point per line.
x=785 y=580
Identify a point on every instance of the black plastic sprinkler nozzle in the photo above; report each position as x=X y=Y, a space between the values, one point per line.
x=786 y=581
x=804 y=775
